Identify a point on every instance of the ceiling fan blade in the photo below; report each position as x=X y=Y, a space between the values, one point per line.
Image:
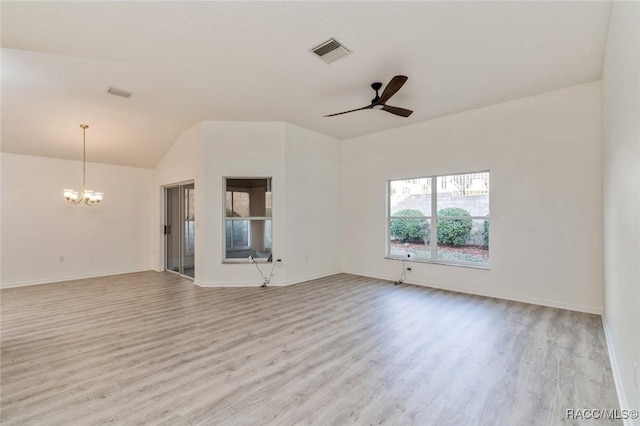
x=344 y=112
x=394 y=85
x=397 y=111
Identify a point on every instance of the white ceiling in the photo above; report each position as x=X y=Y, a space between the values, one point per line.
x=250 y=61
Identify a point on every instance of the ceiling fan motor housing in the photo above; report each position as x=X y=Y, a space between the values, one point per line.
x=376 y=86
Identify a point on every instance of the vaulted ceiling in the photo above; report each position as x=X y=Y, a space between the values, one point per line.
x=186 y=62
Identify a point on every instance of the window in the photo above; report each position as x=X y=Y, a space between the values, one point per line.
x=247 y=222
x=441 y=219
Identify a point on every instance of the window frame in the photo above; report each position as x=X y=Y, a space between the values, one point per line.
x=433 y=219
x=233 y=219
x=249 y=219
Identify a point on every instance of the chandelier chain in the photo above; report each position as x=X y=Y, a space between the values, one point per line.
x=84 y=158
x=89 y=197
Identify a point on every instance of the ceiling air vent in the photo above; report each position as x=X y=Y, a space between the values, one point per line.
x=118 y=92
x=330 y=50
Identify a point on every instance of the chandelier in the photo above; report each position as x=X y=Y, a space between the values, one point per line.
x=89 y=197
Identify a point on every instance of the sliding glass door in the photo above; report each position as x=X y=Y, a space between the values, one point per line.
x=180 y=229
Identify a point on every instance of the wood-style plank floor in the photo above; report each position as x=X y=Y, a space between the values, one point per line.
x=152 y=348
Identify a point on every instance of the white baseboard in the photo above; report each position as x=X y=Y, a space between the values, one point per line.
x=495 y=294
x=617 y=378
x=277 y=283
x=256 y=283
x=313 y=277
x=221 y=284
x=72 y=278
x=234 y=284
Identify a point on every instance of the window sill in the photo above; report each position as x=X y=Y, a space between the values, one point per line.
x=242 y=261
x=440 y=262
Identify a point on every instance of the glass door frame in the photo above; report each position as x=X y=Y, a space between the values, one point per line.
x=182 y=187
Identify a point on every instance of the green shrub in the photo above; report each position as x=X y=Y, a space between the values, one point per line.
x=454 y=232
x=485 y=232
x=408 y=230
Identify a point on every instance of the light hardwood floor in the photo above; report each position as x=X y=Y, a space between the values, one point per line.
x=152 y=348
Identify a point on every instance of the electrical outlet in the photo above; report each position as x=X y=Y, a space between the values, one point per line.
x=61 y=259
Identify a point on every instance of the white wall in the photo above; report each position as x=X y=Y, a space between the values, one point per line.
x=544 y=156
x=39 y=226
x=305 y=169
x=183 y=162
x=621 y=193
x=241 y=149
x=313 y=228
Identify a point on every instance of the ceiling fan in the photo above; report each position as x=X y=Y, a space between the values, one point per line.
x=380 y=102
